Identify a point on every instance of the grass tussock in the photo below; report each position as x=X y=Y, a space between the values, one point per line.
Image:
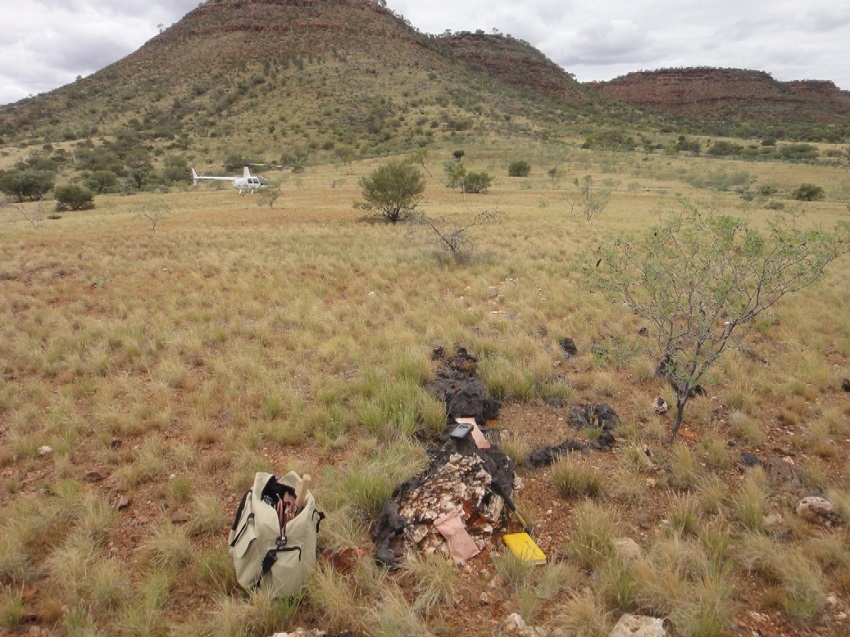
x=596 y=526
x=574 y=477
x=434 y=582
x=798 y=581
x=368 y=482
x=582 y=615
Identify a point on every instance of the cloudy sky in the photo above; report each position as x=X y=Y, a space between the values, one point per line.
x=47 y=43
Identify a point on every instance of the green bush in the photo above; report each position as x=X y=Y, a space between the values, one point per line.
x=392 y=190
x=808 y=192
x=101 y=181
x=477 y=182
x=73 y=197
x=519 y=168
x=26 y=184
x=798 y=152
x=725 y=149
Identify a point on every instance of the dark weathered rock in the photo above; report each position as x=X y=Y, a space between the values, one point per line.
x=456 y=383
x=388 y=527
x=545 y=455
x=585 y=415
x=750 y=459
x=568 y=346
x=93 y=476
x=845 y=384
x=577 y=418
x=555 y=402
x=604 y=441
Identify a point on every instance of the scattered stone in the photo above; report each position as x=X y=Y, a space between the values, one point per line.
x=555 y=402
x=484 y=598
x=782 y=471
x=179 y=517
x=750 y=459
x=515 y=625
x=775 y=525
x=568 y=346
x=660 y=405
x=438 y=353
x=845 y=384
x=45 y=450
x=123 y=503
x=585 y=415
x=544 y=455
x=303 y=632
x=626 y=548
x=639 y=626
x=542 y=331
x=93 y=476
x=644 y=331
x=115 y=443
x=604 y=441
x=818 y=510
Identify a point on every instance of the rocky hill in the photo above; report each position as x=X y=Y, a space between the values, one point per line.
x=518 y=64
x=319 y=74
x=730 y=94
x=259 y=78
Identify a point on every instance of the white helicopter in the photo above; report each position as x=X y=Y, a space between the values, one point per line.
x=246 y=183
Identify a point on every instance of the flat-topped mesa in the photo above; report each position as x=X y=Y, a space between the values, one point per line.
x=711 y=93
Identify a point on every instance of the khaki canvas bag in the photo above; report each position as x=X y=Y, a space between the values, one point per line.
x=266 y=556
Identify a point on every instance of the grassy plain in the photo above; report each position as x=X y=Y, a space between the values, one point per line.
x=167 y=367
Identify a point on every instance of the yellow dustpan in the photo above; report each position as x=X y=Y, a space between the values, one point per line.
x=520 y=544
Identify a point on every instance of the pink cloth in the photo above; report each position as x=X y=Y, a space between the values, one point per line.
x=461 y=545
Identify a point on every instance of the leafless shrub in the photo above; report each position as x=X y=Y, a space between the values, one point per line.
x=152 y=212
x=34 y=215
x=456 y=239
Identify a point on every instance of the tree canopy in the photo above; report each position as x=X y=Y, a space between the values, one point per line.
x=393 y=190
x=701 y=279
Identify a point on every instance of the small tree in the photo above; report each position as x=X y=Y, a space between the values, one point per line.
x=34 y=215
x=267 y=196
x=456 y=239
x=72 y=197
x=586 y=200
x=519 y=168
x=808 y=192
x=702 y=279
x=26 y=184
x=477 y=183
x=153 y=212
x=455 y=175
x=101 y=181
x=393 y=190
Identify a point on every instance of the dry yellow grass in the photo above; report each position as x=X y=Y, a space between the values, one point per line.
x=237 y=338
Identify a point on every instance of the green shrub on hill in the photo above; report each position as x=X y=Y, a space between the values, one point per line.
x=72 y=197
